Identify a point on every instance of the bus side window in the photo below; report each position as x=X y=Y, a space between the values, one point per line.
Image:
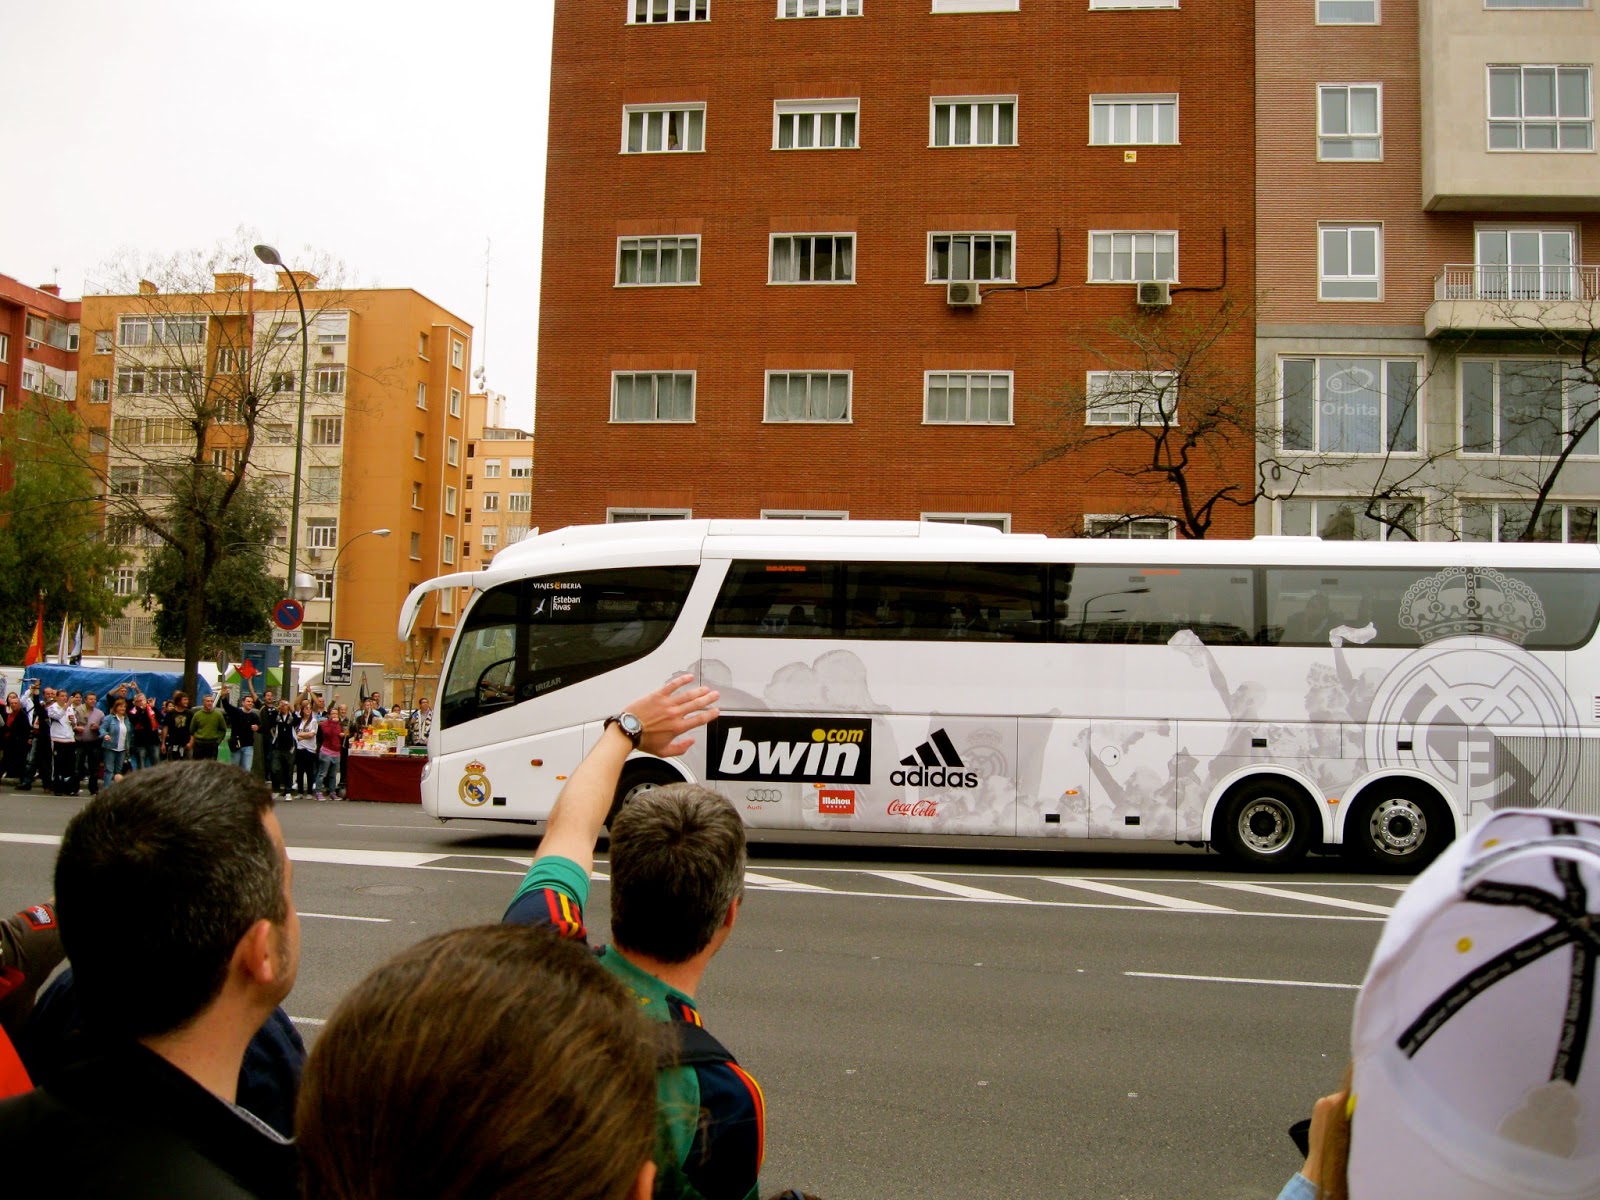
x=774 y=599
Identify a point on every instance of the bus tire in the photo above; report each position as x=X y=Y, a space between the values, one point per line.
x=1397 y=826
x=1264 y=823
x=641 y=776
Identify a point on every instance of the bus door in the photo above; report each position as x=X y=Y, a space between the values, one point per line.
x=1102 y=779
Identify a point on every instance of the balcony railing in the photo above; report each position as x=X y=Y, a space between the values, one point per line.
x=1517 y=283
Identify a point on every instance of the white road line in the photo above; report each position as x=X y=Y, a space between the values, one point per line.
x=1280 y=893
x=944 y=885
x=1127 y=893
x=781 y=885
x=309 y=1020
x=366 y=858
x=32 y=839
x=342 y=917
x=1341 y=987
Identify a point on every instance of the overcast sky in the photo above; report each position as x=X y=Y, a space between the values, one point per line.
x=395 y=136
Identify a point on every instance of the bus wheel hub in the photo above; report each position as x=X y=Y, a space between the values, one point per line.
x=1398 y=826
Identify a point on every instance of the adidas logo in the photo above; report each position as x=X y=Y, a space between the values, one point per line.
x=935 y=764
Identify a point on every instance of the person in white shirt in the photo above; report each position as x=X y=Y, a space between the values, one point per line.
x=63 y=745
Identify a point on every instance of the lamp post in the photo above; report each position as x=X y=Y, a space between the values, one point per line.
x=333 y=572
x=273 y=259
x=1083 y=622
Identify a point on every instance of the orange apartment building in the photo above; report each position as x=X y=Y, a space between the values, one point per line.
x=763 y=222
x=499 y=487
x=385 y=443
x=1428 y=188
x=38 y=350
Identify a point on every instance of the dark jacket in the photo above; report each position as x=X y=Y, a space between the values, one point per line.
x=240 y=731
x=130 y=1125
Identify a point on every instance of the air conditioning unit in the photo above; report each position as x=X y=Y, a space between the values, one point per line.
x=1152 y=293
x=962 y=293
x=314 y=554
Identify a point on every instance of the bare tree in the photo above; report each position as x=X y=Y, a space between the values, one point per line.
x=200 y=365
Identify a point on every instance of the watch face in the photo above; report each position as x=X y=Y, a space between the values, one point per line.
x=631 y=725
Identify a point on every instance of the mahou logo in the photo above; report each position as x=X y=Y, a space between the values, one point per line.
x=922 y=808
x=934 y=764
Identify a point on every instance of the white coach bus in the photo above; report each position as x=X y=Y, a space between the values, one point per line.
x=1266 y=697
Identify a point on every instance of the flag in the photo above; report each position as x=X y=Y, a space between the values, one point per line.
x=77 y=644
x=36 y=644
x=361 y=692
x=61 y=646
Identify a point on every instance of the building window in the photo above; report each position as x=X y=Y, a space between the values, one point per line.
x=1350 y=262
x=1000 y=521
x=417 y=445
x=282 y=381
x=985 y=257
x=99 y=439
x=808 y=396
x=804 y=514
x=519 y=502
x=1523 y=262
x=124 y=580
x=1507 y=521
x=522 y=468
x=422 y=395
x=125 y=481
x=100 y=391
x=333 y=329
x=1131 y=398
x=966 y=397
x=314 y=635
x=1536 y=3
x=324 y=580
x=180 y=330
x=490 y=502
x=812 y=258
x=416 y=495
x=652 y=396
x=660 y=12
x=818 y=8
x=327 y=431
x=450 y=495
x=1347 y=520
x=447 y=552
x=278 y=484
x=102 y=342
x=322 y=485
x=230 y=359
x=976 y=6
x=663 y=129
x=1347 y=12
x=330 y=381
x=1349 y=405
x=455 y=402
x=416 y=546
x=452 y=451
x=280 y=434
x=1152 y=529
x=1128 y=256
x=815 y=124
x=973 y=121
x=1527 y=407
x=491 y=538
x=422 y=345
x=169 y=381
x=1540 y=108
x=130 y=381
x=322 y=533
x=491 y=468
x=1133 y=120
x=458 y=351
x=1349 y=121
x=653 y=261
x=618 y=516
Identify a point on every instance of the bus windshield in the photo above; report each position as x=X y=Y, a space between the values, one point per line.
x=533 y=636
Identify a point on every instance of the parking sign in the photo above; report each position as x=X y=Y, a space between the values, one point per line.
x=338 y=663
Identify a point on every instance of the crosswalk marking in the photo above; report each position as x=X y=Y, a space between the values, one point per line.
x=1127 y=893
x=1281 y=893
x=946 y=886
x=1307 y=983
x=782 y=885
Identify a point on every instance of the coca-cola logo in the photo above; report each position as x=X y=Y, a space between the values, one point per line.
x=922 y=808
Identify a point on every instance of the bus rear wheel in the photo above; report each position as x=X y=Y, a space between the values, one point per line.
x=638 y=777
x=1264 y=823
x=1396 y=825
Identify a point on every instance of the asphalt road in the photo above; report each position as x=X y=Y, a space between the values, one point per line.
x=946 y=1023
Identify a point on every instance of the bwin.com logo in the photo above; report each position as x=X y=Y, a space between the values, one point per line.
x=935 y=763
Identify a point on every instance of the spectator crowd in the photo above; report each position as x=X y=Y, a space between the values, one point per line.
x=517 y=1060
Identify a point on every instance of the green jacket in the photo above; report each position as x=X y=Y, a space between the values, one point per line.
x=208 y=726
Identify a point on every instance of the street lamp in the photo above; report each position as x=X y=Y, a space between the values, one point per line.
x=333 y=572
x=293 y=581
x=1083 y=623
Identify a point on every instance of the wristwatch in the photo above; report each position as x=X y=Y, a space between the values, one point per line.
x=629 y=724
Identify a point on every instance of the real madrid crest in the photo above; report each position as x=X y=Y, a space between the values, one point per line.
x=474 y=785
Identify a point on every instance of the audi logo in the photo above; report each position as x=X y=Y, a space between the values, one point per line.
x=764 y=795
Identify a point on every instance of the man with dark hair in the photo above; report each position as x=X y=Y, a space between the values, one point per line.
x=173 y=894
x=677 y=880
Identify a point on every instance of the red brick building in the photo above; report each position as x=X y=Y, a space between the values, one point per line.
x=38 y=351
x=754 y=212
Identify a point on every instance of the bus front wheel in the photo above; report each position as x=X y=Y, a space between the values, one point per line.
x=637 y=777
x=1396 y=826
x=1264 y=823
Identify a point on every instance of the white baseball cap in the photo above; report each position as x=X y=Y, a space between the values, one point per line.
x=1476 y=1039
